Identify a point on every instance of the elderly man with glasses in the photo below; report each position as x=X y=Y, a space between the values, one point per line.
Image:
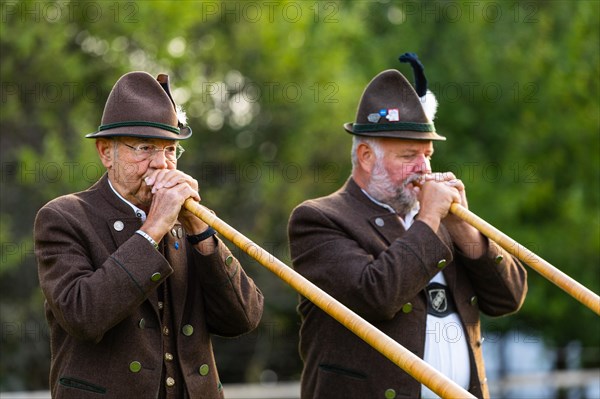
x=135 y=284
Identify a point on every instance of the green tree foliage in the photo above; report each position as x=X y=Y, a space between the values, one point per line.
x=267 y=86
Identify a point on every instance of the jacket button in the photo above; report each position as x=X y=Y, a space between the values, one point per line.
x=165 y=331
x=499 y=259
x=187 y=330
x=473 y=300
x=155 y=277
x=142 y=323
x=441 y=263
x=379 y=222
x=229 y=260
x=119 y=226
x=204 y=369
x=135 y=366
x=390 y=393
x=170 y=382
x=168 y=357
x=407 y=307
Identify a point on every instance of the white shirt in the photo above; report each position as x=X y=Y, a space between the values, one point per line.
x=446 y=348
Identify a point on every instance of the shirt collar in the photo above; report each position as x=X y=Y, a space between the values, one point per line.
x=408 y=219
x=138 y=212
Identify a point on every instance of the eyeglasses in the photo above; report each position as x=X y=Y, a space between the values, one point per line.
x=146 y=151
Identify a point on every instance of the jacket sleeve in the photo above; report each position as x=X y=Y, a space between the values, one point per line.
x=233 y=303
x=376 y=287
x=89 y=299
x=498 y=278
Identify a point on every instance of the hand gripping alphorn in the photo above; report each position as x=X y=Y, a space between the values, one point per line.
x=402 y=357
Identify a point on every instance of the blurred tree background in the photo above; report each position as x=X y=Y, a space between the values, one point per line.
x=267 y=86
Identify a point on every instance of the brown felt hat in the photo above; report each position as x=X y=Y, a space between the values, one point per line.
x=390 y=107
x=141 y=106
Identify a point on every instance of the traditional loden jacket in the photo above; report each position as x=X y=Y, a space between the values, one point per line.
x=359 y=253
x=118 y=309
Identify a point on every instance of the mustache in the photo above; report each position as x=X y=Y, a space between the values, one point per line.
x=416 y=180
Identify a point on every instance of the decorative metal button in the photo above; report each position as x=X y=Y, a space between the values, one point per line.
x=187 y=330
x=135 y=366
x=170 y=382
x=229 y=260
x=499 y=259
x=441 y=263
x=407 y=307
x=473 y=300
x=142 y=323
x=204 y=369
x=161 y=305
x=379 y=222
x=168 y=357
x=165 y=331
x=118 y=225
x=155 y=277
x=390 y=393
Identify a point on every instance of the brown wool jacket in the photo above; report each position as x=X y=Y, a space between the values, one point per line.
x=360 y=254
x=101 y=282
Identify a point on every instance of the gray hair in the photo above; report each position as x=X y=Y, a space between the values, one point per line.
x=370 y=141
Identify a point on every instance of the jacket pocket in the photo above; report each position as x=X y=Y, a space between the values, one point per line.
x=335 y=382
x=81 y=384
x=331 y=368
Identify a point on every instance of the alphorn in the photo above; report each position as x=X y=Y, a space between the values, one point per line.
x=399 y=355
x=560 y=279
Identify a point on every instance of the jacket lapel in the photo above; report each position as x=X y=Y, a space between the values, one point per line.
x=384 y=222
x=387 y=225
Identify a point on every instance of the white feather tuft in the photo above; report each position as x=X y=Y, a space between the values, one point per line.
x=181 y=115
x=430 y=105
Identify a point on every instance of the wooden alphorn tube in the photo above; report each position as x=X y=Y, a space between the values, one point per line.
x=560 y=279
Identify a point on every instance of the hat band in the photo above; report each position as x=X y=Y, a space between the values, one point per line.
x=388 y=127
x=139 y=123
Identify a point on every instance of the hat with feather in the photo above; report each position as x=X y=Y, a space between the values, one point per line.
x=391 y=107
x=141 y=106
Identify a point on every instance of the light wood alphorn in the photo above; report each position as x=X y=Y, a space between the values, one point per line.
x=560 y=279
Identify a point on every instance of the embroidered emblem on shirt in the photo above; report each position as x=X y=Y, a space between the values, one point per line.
x=439 y=300
x=437 y=297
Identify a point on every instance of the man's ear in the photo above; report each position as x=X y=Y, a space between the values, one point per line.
x=366 y=157
x=105 y=151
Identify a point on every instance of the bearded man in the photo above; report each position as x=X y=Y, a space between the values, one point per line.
x=386 y=246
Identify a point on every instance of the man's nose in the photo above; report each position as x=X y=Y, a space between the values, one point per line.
x=422 y=164
x=159 y=160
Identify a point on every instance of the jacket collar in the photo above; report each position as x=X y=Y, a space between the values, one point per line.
x=384 y=222
x=120 y=207
x=352 y=188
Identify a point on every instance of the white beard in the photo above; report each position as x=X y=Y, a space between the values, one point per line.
x=381 y=187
